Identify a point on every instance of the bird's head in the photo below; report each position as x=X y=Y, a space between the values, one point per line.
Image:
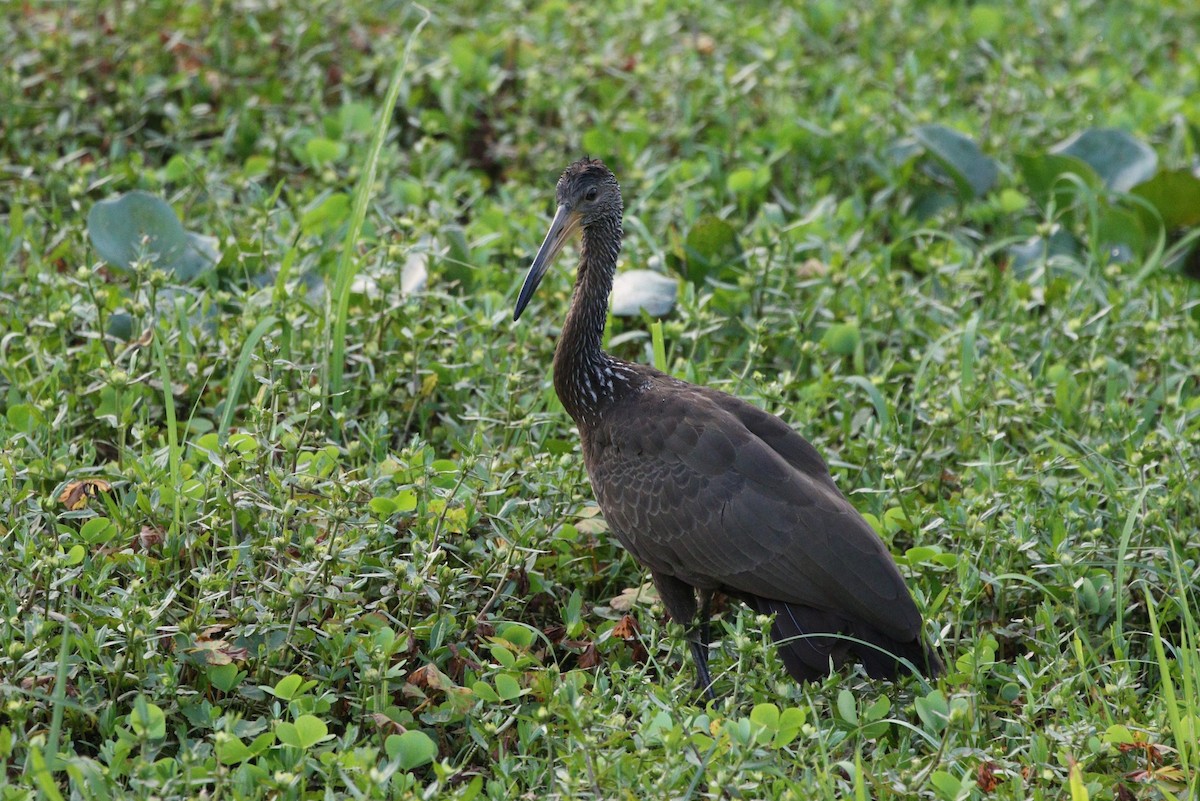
x=588 y=195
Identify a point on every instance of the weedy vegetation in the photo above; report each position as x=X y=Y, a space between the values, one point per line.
x=288 y=508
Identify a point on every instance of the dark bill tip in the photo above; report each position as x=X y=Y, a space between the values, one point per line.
x=564 y=224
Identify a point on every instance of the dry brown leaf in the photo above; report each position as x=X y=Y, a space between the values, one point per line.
x=626 y=628
x=590 y=657
x=76 y=494
x=986 y=778
x=217 y=651
x=635 y=596
x=429 y=676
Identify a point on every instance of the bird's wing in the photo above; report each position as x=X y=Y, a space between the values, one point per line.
x=714 y=491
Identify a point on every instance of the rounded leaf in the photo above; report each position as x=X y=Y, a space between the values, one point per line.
x=1120 y=160
x=136 y=224
x=710 y=244
x=637 y=290
x=972 y=172
x=411 y=749
x=1176 y=196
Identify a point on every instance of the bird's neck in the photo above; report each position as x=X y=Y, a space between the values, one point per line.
x=583 y=372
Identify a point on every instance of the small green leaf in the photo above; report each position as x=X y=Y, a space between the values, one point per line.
x=287 y=734
x=765 y=715
x=412 y=749
x=148 y=720
x=321 y=151
x=98 y=531
x=224 y=677
x=311 y=730
x=847 y=707
x=383 y=507
x=711 y=248
x=841 y=339
x=405 y=501
x=288 y=687
x=75 y=555
x=507 y=687
x=24 y=418
x=325 y=216
x=485 y=692
x=986 y=21
x=1118 y=735
x=748 y=181
x=946 y=785
x=231 y=750
x=518 y=634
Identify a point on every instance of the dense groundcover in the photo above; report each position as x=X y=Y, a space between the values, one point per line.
x=288 y=507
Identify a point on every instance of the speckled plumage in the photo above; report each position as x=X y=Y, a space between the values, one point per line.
x=711 y=493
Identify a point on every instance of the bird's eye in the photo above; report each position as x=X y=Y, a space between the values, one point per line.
x=591 y=194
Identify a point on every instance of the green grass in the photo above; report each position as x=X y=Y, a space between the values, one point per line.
x=401 y=587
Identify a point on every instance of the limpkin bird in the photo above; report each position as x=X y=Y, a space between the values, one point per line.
x=711 y=493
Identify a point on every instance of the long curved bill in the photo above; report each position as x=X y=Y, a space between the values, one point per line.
x=565 y=223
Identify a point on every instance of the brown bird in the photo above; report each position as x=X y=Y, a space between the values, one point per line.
x=711 y=493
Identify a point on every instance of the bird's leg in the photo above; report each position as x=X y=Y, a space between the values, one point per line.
x=680 y=600
x=699 y=643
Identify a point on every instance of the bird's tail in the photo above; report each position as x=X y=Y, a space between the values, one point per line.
x=806 y=649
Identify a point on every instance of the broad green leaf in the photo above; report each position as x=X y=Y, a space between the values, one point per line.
x=148 y=720
x=635 y=291
x=288 y=687
x=1118 y=735
x=986 y=21
x=747 y=181
x=412 y=749
x=287 y=734
x=383 y=507
x=310 y=730
x=765 y=715
x=972 y=172
x=75 y=555
x=711 y=248
x=135 y=224
x=223 y=677
x=1045 y=173
x=24 y=418
x=518 y=634
x=321 y=151
x=1176 y=196
x=507 y=687
x=231 y=750
x=326 y=215
x=98 y=531
x=847 y=707
x=1121 y=161
x=841 y=339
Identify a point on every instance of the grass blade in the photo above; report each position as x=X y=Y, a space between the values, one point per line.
x=346 y=268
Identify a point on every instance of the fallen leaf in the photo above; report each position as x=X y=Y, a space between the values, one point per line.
x=76 y=494
x=217 y=651
x=150 y=537
x=986 y=778
x=590 y=657
x=429 y=676
x=626 y=628
x=635 y=596
x=387 y=724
